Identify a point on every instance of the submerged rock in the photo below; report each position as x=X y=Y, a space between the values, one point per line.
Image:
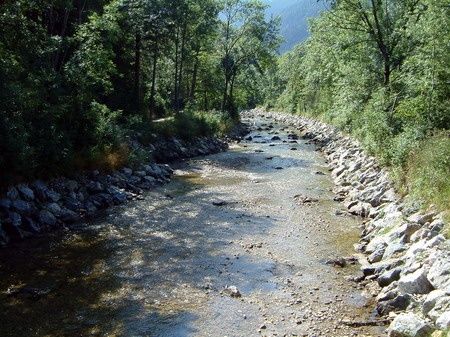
x=232 y=291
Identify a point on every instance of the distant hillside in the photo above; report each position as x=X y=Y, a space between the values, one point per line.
x=294 y=15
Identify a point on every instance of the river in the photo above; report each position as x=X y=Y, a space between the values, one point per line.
x=160 y=266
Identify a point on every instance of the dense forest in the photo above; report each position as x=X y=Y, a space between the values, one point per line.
x=380 y=70
x=79 y=77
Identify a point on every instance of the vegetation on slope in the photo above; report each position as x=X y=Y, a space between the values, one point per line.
x=77 y=77
x=381 y=71
x=294 y=15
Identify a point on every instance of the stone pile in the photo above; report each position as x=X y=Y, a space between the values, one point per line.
x=407 y=253
x=37 y=207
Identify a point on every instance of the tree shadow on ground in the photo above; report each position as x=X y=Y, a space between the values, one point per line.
x=141 y=270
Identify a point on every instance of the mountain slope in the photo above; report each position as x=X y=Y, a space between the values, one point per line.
x=294 y=15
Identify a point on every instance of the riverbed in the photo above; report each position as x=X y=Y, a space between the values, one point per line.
x=236 y=245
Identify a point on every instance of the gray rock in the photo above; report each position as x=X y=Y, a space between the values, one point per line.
x=73 y=204
x=439 y=273
x=30 y=225
x=22 y=207
x=94 y=187
x=12 y=194
x=442 y=305
x=72 y=185
x=68 y=215
x=150 y=180
x=167 y=169
x=54 y=208
x=140 y=173
x=90 y=207
x=232 y=291
x=431 y=299
x=5 y=204
x=127 y=171
x=53 y=196
x=4 y=238
x=12 y=226
x=362 y=209
x=393 y=248
x=399 y=302
x=415 y=283
x=443 y=322
x=409 y=325
x=388 y=277
x=405 y=231
x=39 y=188
x=422 y=218
x=378 y=253
x=46 y=218
x=26 y=192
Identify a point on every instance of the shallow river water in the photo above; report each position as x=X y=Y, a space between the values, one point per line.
x=159 y=267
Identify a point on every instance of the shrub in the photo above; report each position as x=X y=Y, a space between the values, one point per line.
x=428 y=170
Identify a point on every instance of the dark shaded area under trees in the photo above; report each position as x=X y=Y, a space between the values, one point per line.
x=78 y=77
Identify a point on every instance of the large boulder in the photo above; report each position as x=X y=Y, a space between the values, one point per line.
x=12 y=193
x=46 y=218
x=30 y=225
x=26 y=192
x=54 y=208
x=13 y=226
x=421 y=218
x=4 y=238
x=5 y=204
x=40 y=190
x=388 y=277
x=439 y=273
x=409 y=325
x=399 y=302
x=22 y=207
x=431 y=299
x=442 y=305
x=443 y=322
x=415 y=283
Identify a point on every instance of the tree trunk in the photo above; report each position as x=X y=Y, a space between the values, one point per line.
x=153 y=88
x=205 y=102
x=230 y=97
x=387 y=71
x=180 y=73
x=225 y=93
x=137 y=71
x=194 y=77
x=175 y=90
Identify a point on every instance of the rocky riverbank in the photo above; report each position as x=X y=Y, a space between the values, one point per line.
x=407 y=263
x=31 y=209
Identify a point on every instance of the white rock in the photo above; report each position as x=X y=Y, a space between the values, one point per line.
x=409 y=325
x=443 y=322
x=431 y=300
x=439 y=273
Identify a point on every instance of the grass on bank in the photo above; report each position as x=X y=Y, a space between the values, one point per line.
x=186 y=125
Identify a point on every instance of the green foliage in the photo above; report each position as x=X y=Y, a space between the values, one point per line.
x=76 y=76
x=428 y=170
x=189 y=125
x=380 y=71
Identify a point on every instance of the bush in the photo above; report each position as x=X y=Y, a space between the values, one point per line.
x=428 y=171
x=188 y=125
